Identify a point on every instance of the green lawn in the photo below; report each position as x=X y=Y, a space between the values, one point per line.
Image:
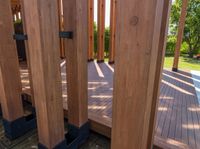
x=184 y=63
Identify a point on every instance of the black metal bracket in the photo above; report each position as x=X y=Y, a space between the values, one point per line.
x=20 y=37
x=64 y=34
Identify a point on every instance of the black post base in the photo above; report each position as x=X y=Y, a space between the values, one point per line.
x=73 y=139
x=20 y=126
x=175 y=69
x=111 y=62
x=90 y=60
x=100 y=61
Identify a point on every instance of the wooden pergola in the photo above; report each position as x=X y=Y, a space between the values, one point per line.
x=138 y=41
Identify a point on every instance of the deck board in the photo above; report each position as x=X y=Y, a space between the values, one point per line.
x=178 y=117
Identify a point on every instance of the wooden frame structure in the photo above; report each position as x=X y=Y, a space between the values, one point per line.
x=91 y=30
x=140 y=44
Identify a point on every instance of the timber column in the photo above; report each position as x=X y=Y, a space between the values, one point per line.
x=43 y=45
x=15 y=124
x=76 y=25
x=112 y=31
x=91 y=30
x=140 y=39
x=180 y=35
x=101 y=31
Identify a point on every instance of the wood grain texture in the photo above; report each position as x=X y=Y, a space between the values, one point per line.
x=180 y=33
x=43 y=42
x=91 y=29
x=101 y=30
x=10 y=83
x=27 y=51
x=76 y=20
x=112 y=30
x=160 y=62
x=137 y=37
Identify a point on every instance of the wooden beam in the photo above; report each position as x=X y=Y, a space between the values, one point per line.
x=138 y=36
x=10 y=83
x=101 y=30
x=112 y=31
x=43 y=42
x=180 y=34
x=91 y=30
x=61 y=27
x=75 y=20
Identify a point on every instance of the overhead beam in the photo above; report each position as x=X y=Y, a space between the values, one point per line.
x=76 y=21
x=43 y=42
x=112 y=31
x=10 y=82
x=140 y=40
x=101 y=31
x=180 y=34
x=91 y=30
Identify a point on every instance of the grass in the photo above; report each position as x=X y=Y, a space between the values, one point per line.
x=185 y=63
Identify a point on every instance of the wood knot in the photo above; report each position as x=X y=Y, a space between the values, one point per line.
x=134 y=21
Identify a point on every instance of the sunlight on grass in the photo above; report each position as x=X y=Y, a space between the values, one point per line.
x=184 y=63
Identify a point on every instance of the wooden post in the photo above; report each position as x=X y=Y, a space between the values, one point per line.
x=10 y=82
x=101 y=30
x=139 y=43
x=180 y=35
x=160 y=63
x=112 y=31
x=43 y=42
x=27 y=53
x=60 y=16
x=76 y=21
x=91 y=30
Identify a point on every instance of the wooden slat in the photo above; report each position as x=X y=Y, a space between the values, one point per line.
x=137 y=48
x=101 y=30
x=112 y=31
x=75 y=19
x=43 y=42
x=91 y=30
x=10 y=85
x=180 y=34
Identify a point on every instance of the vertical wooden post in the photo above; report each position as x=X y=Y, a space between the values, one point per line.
x=76 y=21
x=112 y=31
x=27 y=53
x=139 y=38
x=43 y=42
x=180 y=34
x=60 y=16
x=101 y=30
x=14 y=121
x=160 y=63
x=91 y=30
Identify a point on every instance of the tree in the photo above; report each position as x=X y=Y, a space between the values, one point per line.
x=192 y=24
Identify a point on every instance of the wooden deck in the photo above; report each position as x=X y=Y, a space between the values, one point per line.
x=178 y=118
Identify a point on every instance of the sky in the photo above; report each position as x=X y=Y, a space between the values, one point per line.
x=107 y=22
